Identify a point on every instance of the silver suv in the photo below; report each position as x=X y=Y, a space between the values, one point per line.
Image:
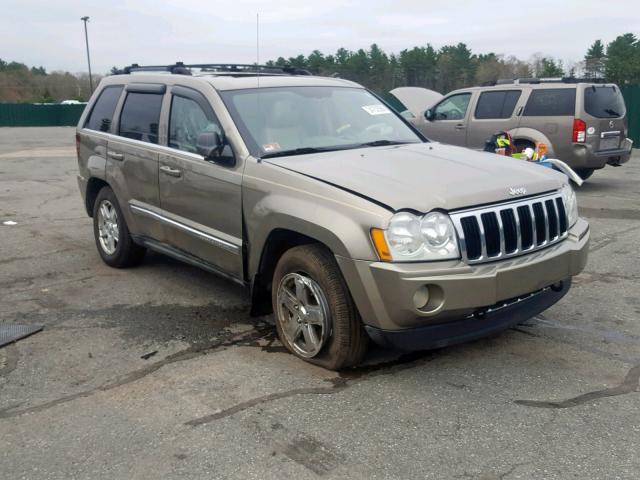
x=330 y=208
x=583 y=124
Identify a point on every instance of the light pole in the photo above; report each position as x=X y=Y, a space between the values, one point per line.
x=86 y=41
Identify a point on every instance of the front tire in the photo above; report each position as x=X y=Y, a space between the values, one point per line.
x=315 y=316
x=114 y=242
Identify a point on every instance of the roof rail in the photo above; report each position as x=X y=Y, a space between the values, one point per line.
x=180 y=68
x=535 y=81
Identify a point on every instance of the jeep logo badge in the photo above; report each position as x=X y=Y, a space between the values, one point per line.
x=513 y=191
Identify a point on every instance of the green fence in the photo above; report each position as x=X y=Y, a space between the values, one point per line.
x=632 y=100
x=32 y=115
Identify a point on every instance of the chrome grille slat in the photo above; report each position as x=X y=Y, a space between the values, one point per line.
x=556 y=215
x=518 y=231
x=501 y=232
x=473 y=242
x=534 y=227
x=547 y=234
x=483 y=238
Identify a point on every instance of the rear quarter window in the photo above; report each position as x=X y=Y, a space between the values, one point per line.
x=552 y=102
x=101 y=115
x=140 y=116
x=604 y=101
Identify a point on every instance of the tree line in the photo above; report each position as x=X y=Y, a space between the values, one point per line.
x=456 y=66
x=19 y=83
x=444 y=69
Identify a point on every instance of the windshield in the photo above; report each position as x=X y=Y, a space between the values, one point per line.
x=604 y=101
x=298 y=120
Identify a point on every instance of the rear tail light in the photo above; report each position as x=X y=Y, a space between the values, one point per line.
x=579 y=131
x=78 y=144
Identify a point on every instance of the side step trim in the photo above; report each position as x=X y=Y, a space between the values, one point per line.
x=218 y=242
x=186 y=258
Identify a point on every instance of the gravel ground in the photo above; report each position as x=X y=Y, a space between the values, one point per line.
x=159 y=372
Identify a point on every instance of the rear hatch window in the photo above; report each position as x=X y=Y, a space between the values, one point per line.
x=604 y=101
x=551 y=102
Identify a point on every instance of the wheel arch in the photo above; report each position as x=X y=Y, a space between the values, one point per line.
x=94 y=185
x=531 y=135
x=278 y=241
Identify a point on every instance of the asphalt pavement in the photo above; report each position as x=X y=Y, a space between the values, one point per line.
x=160 y=372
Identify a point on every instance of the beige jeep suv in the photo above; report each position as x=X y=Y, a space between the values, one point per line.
x=335 y=213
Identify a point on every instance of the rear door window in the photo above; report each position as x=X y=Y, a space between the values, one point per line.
x=551 y=102
x=140 y=116
x=495 y=105
x=604 y=101
x=101 y=115
x=453 y=108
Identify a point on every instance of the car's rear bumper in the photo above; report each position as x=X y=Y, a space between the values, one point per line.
x=584 y=156
x=388 y=294
x=477 y=325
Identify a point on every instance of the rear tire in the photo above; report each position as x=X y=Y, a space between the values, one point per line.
x=114 y=242
x=311 y=302
x=584 y=172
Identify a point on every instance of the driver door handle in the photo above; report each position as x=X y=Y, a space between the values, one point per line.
x=173 y=172
x=460 y=126
x=115 y=155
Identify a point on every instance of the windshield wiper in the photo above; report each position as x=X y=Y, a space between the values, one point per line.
x=306 y=150
x=298 y=151
x=612 y=112
x=382 y=143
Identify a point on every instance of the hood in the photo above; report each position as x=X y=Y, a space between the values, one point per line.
x=416 y=99
x=424 y=176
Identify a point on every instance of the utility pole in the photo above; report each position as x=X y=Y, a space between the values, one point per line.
x=86 y=41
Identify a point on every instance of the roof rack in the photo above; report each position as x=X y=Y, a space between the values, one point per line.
x=519 y=81
x=180 y=68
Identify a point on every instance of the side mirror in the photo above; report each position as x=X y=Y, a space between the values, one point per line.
x=429 y=114
x=208 y=144
x=213 y=148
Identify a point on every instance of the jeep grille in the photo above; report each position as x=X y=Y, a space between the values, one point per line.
x=510 y=229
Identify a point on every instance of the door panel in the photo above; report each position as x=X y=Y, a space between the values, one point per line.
x=203 y=202
x=200 y=199
x=132 y=170
x=450 y=119
x=495 y=111
x=132 y=158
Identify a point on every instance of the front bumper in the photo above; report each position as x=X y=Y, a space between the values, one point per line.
x=385 y=292
x=480 y=324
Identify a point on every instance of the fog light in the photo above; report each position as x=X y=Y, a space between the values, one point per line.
x=557 y=287
x=421 y=297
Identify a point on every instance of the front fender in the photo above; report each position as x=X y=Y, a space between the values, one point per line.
x=341 y=233
x=280 y=199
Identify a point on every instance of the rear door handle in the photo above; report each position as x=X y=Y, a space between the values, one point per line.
x=167 y=170
x=460 y=126
x=115 y=155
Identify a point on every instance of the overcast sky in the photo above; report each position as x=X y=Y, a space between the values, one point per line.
x=122 y=32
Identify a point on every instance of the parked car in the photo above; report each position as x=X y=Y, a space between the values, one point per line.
x=329 y=207
x=583 y=124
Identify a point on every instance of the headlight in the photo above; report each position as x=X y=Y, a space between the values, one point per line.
x=570 y=204
x=411 y=238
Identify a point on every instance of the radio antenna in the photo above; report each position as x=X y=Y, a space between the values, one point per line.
x=258 y=69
